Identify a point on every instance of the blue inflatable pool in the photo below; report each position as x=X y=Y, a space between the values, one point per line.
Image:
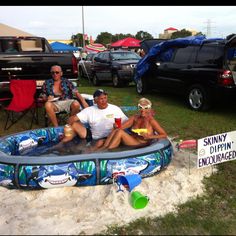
x=21 y=167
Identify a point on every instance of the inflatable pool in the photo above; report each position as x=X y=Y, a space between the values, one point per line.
x=24 y=164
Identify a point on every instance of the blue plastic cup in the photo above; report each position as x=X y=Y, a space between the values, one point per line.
x=129 y=181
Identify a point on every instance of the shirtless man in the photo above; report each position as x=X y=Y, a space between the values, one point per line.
x=59 y=95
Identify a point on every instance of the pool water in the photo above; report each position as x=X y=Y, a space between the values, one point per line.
x=74 y=147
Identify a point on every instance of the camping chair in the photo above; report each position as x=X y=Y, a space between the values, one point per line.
x=63 y=116
x=5 y=99
x=23 y=101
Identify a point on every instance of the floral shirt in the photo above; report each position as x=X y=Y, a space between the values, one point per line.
x=67 y=88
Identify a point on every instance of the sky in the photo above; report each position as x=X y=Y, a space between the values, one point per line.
x=61 y=22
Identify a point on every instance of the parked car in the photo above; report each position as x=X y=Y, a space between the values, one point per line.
x=114 y=66
x=32 y=58
x=200 y=69
x=85 y=65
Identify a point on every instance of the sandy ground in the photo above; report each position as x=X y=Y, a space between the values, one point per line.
x=88 y=210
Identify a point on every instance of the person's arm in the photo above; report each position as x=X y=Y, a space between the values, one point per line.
x=72 y=119
x=128 y=123
x=81 y=100
x=160 y=132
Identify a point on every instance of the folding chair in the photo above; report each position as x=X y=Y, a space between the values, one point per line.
x=5 y=98
x=63 y=116
x=23 y=101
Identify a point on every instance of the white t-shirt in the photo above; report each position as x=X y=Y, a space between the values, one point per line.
x=101 y=120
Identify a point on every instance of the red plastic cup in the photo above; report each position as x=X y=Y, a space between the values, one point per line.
x=118 y=122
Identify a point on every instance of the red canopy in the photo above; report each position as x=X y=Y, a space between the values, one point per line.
x=127 y=42
x=95 y=47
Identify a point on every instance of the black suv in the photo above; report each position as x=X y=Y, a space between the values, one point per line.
x=201 y=72
x=116 y=66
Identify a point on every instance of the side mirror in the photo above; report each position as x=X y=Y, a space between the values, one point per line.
x=97 y=59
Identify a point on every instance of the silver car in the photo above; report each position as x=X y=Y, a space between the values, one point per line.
x=84 y=66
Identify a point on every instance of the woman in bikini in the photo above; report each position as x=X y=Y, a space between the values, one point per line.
x=144 y=128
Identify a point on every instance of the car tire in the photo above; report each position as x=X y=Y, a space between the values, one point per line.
x=115 y=80
x=95 y=80
x=141 y=86
x=198 y=98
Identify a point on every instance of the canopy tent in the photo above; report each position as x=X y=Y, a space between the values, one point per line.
x=126 y=42
x=6 y=30
x=57 y=46
x=95 y=47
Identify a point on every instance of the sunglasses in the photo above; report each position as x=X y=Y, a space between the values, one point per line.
x=55 y=72
x=140 y=107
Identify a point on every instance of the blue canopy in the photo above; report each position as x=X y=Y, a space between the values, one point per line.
x=57 y=46
x=163 y=52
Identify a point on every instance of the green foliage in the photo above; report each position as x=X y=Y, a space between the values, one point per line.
x=199 y=33
x=104 y=38
x=141 y=35
x=120 y=36
x=77 y=40
x=181 y=34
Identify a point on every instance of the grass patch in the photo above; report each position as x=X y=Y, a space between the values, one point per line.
x=212 y=214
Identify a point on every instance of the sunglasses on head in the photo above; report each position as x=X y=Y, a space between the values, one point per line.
x=55 y=72
x=140 y=107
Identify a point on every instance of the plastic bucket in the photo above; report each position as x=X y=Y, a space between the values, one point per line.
x=129 y=181
x=138 y=200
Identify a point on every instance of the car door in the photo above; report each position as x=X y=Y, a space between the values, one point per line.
x=106 y=66
x=88 y=63
x=101 y=66
x=173 y=75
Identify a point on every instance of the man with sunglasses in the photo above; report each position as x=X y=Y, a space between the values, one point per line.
x=60 y=95
x=144 y=128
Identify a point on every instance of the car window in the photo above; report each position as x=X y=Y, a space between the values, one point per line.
x=185 y=55
x=125 y=56
x=10 y=45
x=89 y=57
x=100 y=55
x=206 y=54
x=106 y=56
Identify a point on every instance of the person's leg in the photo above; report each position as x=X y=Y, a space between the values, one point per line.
x=109 y=138
x=78 y=129
x=125 y=138
x=74 y=108
x=102 y=144
x=99 y=143
x=50 y=110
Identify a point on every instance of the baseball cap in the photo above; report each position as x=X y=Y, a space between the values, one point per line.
x=99 y=92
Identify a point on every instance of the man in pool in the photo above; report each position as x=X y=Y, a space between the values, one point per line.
x=100 y=117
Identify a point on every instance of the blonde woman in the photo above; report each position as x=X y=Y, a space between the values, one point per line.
x=143 y=125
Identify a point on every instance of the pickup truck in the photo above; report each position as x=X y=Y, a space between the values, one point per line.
x=32 y=58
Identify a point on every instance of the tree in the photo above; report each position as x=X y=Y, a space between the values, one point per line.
x=120 y=36
x=199 y=34
x=77 y=40
x=141 y=35
x=104 y=38
x=181 y=34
